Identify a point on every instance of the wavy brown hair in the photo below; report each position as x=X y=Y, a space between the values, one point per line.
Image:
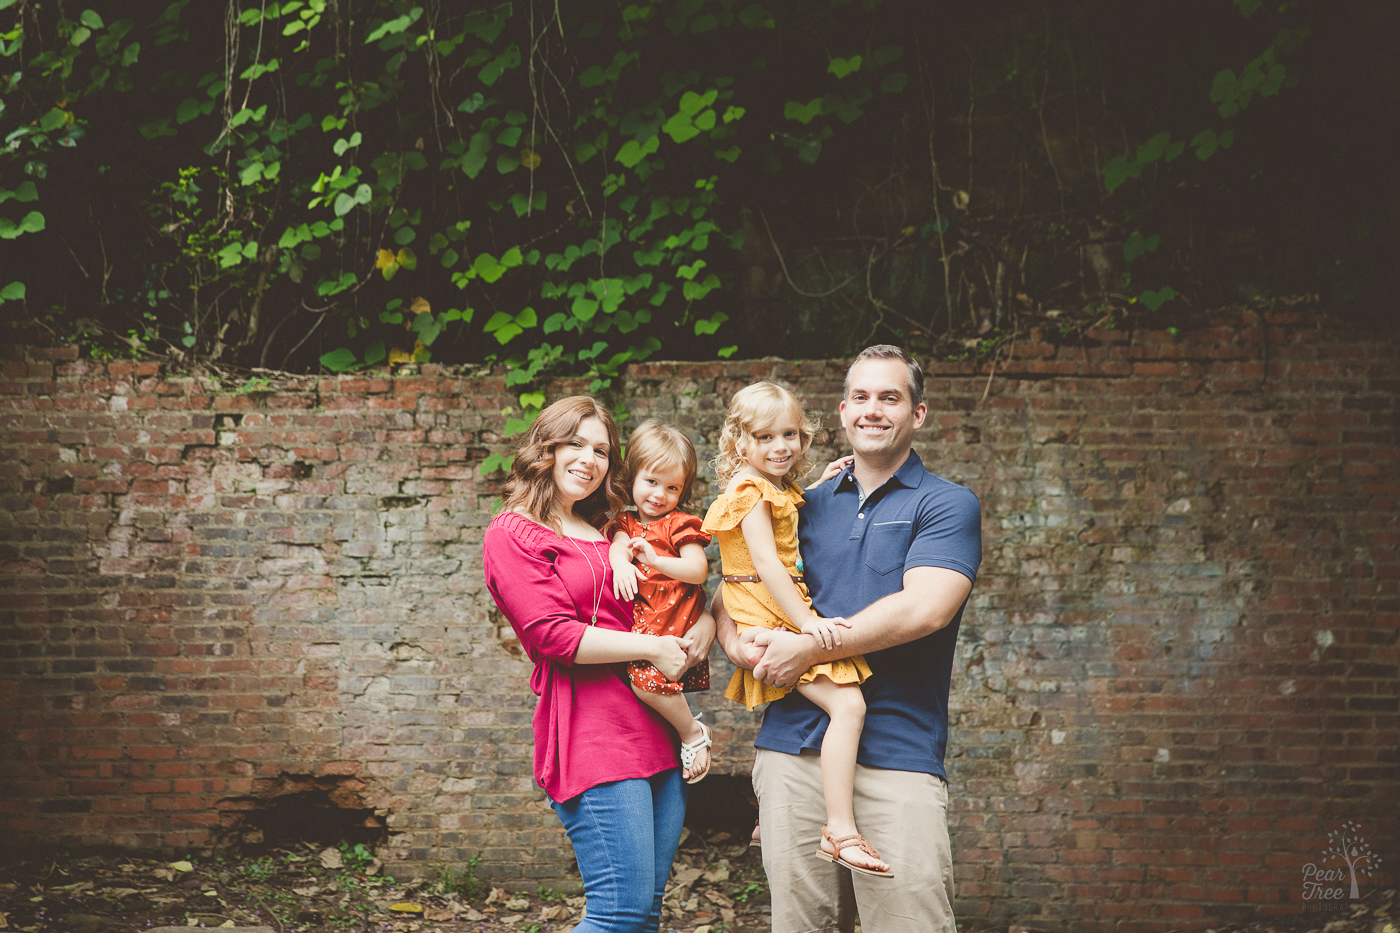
x=531 y=489
x=752 y=408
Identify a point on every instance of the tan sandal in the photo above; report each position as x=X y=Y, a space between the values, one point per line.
x=845 y=842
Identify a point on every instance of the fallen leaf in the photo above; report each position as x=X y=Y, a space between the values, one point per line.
x=4 y=920
x=557 y=912
x=437 y=913
x=703 y=928
x=719 y=873
x=164 y=874
x=227 y=923
x=496 y=895
x=308 y=891
x=330 y=858
x=473 y=915
x=518 y=903
x=686 y=877
x=404 y=907
x=76 y=886
x=182 y=866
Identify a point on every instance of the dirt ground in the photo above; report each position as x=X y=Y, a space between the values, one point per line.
x=717 y=886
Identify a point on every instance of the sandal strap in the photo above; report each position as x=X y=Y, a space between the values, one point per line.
x=855 y=839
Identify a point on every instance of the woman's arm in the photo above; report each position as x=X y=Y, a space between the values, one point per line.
x=607 y=646
x=691 y=567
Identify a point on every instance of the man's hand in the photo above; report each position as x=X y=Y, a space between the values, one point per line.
x=779 y=656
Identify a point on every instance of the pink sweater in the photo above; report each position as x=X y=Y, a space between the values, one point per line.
x=589 y=727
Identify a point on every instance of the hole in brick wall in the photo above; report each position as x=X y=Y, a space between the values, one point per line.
x=301 y=470
x=295 y=808
x=722 y=803
x=58 y=486
x=399 y=502
x=229 y=421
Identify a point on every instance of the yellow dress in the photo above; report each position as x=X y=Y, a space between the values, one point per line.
x=750 y=604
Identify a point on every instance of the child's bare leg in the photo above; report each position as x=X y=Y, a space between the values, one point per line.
x=676 y=711
x=845 y=704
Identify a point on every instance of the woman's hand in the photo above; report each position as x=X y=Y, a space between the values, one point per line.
x=624 y=580
x=702 y=636
x=825 y=631
x=669 y=655
x=832 y=469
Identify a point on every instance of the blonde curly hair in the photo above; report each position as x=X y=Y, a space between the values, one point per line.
x=753 y=408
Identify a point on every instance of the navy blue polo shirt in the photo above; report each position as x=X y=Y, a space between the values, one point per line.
x=855 y=553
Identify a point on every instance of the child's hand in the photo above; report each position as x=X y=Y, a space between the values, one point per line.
x=832 y=469
x=624 y=580
x=640 y=549
x=825 y=630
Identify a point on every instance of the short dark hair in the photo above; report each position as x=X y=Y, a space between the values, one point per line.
x=885 y=351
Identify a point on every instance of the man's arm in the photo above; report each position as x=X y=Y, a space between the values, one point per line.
x=929 y=600
x=727 y=633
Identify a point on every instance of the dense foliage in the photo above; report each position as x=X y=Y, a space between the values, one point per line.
x=294 y=183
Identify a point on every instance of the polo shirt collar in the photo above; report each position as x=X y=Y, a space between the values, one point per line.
x=909 y=475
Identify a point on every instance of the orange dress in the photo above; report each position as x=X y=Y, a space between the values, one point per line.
x=664 y=606
x=750 y=604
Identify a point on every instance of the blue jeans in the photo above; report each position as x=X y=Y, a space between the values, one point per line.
x=625 y=835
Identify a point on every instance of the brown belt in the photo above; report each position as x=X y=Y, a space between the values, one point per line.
x=750 y=578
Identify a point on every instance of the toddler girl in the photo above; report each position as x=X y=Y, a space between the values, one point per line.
x=763 y=450
x=669 y=546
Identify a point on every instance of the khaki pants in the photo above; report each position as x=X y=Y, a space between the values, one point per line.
x=904 y=814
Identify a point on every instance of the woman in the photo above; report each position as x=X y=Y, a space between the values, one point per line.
x=607 y=762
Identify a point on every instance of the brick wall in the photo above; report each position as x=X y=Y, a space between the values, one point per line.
x=1177 y=674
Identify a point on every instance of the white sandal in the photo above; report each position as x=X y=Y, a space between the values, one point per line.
x=689 y=751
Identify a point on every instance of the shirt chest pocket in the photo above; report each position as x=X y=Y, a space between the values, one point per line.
x=887 y=545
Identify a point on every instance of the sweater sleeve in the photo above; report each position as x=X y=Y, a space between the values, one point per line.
x=518 y=558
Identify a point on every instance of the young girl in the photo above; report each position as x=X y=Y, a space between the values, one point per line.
x=763 y=449
x=669 y=546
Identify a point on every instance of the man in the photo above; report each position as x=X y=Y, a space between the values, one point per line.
x=894 y=549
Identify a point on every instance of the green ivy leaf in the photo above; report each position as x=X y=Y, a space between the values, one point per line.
x=339 y=360
x=802 y=113
x=1155 y=300
x=843 y=66
x=15 y=291
x=633 y=152
x=711 y=325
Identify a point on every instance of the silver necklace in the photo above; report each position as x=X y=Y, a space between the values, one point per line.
x=597 y=590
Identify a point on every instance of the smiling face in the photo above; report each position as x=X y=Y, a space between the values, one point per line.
x=774 y=448
x=657 y=490
x=580 y=463
x=878 y=413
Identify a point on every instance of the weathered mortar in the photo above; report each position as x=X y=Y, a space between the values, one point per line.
x=1176 y=674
